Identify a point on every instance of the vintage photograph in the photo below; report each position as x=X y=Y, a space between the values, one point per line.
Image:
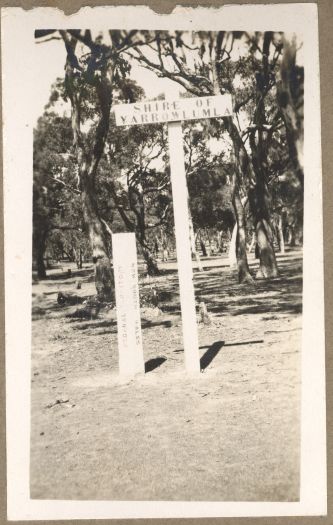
x=163 y=224
x=167 y=252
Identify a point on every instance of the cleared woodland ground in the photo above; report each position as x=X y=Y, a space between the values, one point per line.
x=231 y=433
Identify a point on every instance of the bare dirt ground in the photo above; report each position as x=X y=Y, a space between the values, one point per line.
x=231 y=433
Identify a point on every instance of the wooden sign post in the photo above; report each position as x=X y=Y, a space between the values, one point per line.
x=125 y=266
x=173 y=112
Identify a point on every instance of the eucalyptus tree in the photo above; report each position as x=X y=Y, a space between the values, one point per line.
x=93 y=68
x=209 y=173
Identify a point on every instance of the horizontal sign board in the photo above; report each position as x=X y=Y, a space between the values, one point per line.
x=152 y=112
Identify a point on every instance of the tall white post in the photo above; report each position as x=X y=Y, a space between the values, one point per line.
x=183 y=246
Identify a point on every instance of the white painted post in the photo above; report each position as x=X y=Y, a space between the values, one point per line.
x=125 y=265
x=183 y=246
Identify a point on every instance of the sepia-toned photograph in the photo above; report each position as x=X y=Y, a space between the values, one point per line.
x=233 y=431
x=167 y=245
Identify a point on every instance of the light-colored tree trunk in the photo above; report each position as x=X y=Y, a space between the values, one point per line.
x=232 y=249
x=193 y=245
x=280 y=234
x=192 y=236
x=253 y=242
x=267 y=266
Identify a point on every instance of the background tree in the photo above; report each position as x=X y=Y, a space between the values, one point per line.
x=209 y=183
x=56 y=197
x=138 y=180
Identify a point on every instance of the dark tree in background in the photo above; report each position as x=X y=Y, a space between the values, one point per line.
x=56 y=198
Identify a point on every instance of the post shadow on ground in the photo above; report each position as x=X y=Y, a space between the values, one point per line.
x=151 y=364
x=209 y=355
x=214 y=349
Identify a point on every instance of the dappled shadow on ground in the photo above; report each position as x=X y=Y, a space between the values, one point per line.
x=97 y=324
x=45 y=304
x=217 y=287
x=223 y=295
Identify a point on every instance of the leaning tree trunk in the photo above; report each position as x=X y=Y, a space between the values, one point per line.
x=104 y=279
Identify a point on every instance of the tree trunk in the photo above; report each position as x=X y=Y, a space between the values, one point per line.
x=78 y=258
x=104 y=279
x=41 y=270
x=244 y=275
x=241 y=255
x=280 y=235
x=203 y=248
x=39 y=249
x=232 y=249
x=290 y=100
x=267 y=265
x=220 y=241
x=148 y=254
x=193 y=246
x=259 y=209
x=291 y=236
x=253 y=242
x=152 y=267
x=89 y=153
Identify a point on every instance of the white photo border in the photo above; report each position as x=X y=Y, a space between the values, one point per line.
x=18 y=77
